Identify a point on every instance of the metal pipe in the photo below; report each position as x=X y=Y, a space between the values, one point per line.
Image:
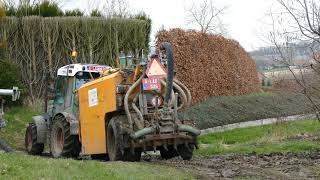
x=6 y=92
x=143 y=132
x=126 y=100
x=189 y=129
x=150 y=130
x=14 y=92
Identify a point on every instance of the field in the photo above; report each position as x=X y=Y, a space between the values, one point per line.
x=280 y=151
x=13 y=166
x=299 y=136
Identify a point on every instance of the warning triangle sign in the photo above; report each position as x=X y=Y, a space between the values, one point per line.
x=156 y=69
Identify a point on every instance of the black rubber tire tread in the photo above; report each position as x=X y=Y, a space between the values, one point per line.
x=71 y=145
x=171 y=153
x=186 y=152
x=115 y=140
x=36 y=148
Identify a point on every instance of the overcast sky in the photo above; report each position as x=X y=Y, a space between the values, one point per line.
x=244 y=18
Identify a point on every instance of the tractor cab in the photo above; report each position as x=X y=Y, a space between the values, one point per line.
x=70 y=79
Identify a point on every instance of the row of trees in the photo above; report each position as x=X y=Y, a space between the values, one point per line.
x=44 y=9
x=41 y=45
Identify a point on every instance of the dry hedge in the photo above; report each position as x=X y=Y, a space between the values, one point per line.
x=211 y=65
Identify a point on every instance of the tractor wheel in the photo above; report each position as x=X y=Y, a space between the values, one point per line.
x=115 y=140
x=186 y=151
x=62 y=143
x=168 y=154
x=31 y=144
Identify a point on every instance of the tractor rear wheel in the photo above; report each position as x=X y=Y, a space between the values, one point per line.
x=115 y=141
x=31 y=144
x=168 y=154
x=62 y=143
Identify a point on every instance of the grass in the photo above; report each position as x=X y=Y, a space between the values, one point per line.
x=299 y=136
x=17 y=119
x=217 y=111
x=13 y=166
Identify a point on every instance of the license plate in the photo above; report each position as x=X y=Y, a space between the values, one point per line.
x=150 y=84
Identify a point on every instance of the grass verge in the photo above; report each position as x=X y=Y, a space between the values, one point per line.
x=17 y=120
x=14 y=166
x=299 y=136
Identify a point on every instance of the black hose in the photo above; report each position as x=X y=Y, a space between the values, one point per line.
x=170 y=74
x=4 y=146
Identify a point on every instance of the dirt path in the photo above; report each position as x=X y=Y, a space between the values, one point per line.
x=272 y=166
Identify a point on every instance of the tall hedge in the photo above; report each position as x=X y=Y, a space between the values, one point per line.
x=40 y=45
x=211 y=65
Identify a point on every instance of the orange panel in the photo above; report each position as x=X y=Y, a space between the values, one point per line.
x=96 y=98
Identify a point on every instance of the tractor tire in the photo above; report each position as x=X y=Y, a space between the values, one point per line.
x=186 y=152
x=62 y=143
x=31 y=144
x=168 y=154
x=115 y=141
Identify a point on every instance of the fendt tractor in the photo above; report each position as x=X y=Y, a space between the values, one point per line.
x=120 y=113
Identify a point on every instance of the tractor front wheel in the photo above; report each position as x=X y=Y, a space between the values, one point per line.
x=31 y=144
x=62 y=143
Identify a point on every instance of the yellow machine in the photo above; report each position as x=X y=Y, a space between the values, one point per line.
x=119 y=113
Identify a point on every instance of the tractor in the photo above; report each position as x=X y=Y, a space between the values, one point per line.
x=97 y=110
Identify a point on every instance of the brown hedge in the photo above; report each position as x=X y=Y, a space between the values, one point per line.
x=211 y=65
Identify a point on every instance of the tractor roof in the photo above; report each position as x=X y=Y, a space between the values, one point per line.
x=72 y=69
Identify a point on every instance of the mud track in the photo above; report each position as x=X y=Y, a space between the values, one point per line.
x=269 y=166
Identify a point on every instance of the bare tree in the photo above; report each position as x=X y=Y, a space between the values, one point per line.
x=297 y=21
x=116 y=8
x=207 y=17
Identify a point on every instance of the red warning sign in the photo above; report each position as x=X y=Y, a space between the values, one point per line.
x=156 y=69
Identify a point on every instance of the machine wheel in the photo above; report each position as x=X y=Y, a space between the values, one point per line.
x=186 y=151
x=62 y=143
x=168 y=154
x=115 y=140
x=31 y=144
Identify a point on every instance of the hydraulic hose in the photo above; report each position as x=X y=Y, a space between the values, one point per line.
x=188 y=93
x=179 y=89
x=126 y=100
x=134 y=106
x=170 y=66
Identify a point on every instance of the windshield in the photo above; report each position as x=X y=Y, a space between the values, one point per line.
x=85 y=77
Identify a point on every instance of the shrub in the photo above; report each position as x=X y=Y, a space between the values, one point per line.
x=9 y=77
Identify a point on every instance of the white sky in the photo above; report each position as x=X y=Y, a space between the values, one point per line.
x=244 y=18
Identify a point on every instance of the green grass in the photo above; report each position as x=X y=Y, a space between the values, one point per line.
x=17 y=119
x=222 y=110
x=13 y=166
x=296 y=136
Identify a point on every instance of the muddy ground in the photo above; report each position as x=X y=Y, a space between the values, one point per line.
x=269 y=166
